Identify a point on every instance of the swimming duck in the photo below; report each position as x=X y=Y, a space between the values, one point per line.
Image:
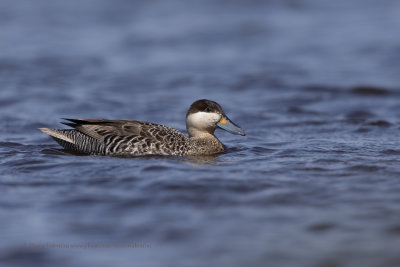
x=135 y=138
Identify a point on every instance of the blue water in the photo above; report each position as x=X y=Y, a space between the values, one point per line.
x=315 y=84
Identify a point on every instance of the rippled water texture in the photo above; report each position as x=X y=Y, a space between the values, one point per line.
x=315 y=84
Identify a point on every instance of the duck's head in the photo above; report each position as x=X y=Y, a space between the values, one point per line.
x=204 y=116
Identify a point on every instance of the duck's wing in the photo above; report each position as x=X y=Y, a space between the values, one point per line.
x=130 y=137
x=98 y=128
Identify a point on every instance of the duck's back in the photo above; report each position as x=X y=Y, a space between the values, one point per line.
x=120 y=138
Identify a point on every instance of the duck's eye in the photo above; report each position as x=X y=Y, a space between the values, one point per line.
x=207 y=109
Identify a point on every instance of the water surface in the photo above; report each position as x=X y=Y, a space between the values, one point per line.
x=315 y=84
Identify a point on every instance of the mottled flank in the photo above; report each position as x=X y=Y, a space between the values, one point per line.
x=120 y=138
x=134 y=138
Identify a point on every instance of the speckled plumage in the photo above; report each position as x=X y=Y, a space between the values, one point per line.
x=134 y=138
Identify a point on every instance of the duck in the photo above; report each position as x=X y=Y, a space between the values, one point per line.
x=126 y=138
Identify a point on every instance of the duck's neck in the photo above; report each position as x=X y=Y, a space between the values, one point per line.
x=196 y=133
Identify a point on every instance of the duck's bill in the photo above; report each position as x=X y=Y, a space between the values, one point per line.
x=229 y=126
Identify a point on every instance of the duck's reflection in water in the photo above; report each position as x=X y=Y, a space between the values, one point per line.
x=193 y=160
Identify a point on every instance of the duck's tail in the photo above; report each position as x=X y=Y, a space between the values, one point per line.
x=72 y=139
x=64 y=137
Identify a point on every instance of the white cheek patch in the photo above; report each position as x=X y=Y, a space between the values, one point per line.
x=202 y=120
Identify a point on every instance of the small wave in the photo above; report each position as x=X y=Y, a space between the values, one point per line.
x=370 y=91
x=321 y=227
x=261 y=150
x=380 y=123
x=359 y=115
x=155 y=168
x=24 y=256
x=394 y=229
x=10 y=144
x=390 y=152
x=366 y=168
x=300 y=110
x=362 y=130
